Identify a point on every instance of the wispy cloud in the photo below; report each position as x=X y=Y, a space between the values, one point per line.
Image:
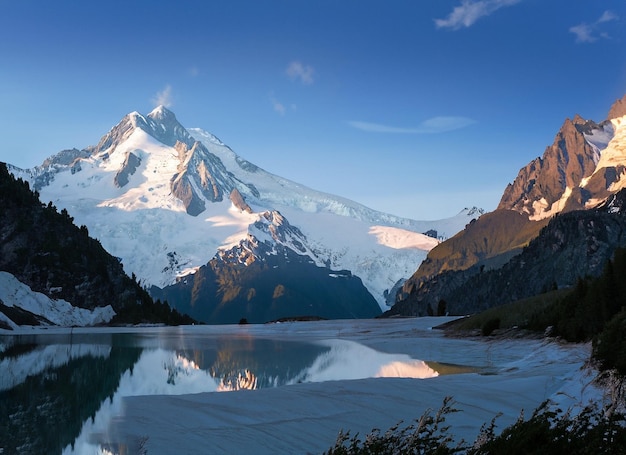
x=588 y=33
x=431 y=126
x=466 y=14
x=164 y=97
x=298 y=71
x=279 y=106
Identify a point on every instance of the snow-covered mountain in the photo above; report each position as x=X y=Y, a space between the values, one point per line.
x=166 y=200
x=580 y=170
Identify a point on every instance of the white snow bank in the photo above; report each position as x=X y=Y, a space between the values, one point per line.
x=398 y=239
x=16 y=294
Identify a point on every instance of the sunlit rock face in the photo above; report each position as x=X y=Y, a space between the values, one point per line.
x=580 y=170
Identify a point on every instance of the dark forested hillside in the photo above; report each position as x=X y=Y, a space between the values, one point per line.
x=573 y=245
x=44 y=250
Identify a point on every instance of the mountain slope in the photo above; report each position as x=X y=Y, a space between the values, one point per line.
x=572 y=246
x=488 y=242
x=583 y=166
x=582 y=169
x=167 y=200
x=52 y=271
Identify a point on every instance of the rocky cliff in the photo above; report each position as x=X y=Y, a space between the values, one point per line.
x=583 y=169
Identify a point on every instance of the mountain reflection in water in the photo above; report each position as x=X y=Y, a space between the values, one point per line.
x=58 y=393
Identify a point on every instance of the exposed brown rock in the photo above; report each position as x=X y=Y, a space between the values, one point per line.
x=564 y=164
x=237 y=199
x=618 y=109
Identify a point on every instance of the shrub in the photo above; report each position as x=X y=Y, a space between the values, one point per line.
x=427 y=435
x=548 y=430
x=609 y=348
x=489 y=326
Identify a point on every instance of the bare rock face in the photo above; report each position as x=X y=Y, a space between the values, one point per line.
x=201 y=177
x=573 y=173
x=618 y=109
x=131 y=163
x=487 y=242
x=238 y=201
x=182 y=189
x=543 y=181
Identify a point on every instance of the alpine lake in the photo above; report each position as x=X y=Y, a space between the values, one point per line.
x=85 y=390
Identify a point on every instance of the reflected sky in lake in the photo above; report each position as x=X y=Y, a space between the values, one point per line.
x=60 y=392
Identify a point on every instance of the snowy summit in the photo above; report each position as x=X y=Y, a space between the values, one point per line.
x=166 y=200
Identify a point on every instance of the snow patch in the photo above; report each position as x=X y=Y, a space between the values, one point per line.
x=398 y=239
x=16 y=294
x=541 y=210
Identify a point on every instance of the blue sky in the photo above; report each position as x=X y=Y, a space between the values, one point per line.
x=417 y=108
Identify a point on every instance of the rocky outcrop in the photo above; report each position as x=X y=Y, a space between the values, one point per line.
x=238 y=201
x=581 y=170
x=201 y=177
x=131 y=163
x=539 y=189
x=284 y=284
x=183 y=191
x=618 y=109
x=268 y=276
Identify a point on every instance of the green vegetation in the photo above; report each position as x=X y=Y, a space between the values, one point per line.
x=511 y=315
x=150 y=312
x=548 y=430
x=489 y=326
x=594 y=310
x=609 y=347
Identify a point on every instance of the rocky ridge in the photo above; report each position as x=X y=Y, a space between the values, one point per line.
x=582 y=170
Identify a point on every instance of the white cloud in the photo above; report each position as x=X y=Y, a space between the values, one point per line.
x=279 y=107
x=297 y=70
x=588 y=33
x=583 y=32
x=470 y=11
x=433 y=125
x=164 y=97
x=607 y=16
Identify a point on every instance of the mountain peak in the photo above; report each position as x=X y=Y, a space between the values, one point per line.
x=618 y=109
x=161 y=114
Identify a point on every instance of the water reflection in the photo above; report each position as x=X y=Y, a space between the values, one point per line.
x=49 y=390
x=58 y=394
